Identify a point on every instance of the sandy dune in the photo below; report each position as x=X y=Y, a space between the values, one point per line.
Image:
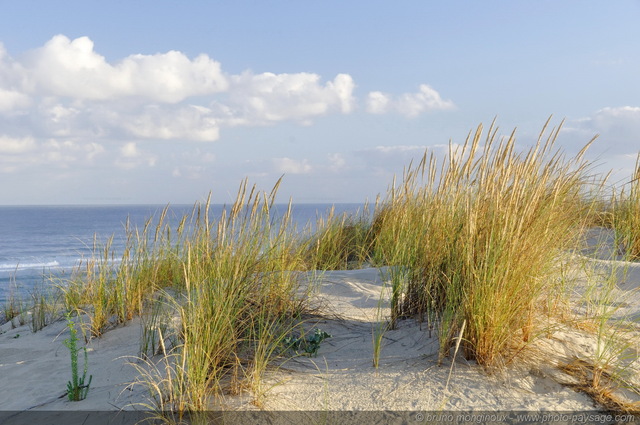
x=34 y=367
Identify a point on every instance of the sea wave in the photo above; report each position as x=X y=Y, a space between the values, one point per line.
x=11 y=266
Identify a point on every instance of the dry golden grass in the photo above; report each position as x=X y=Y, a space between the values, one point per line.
x=231 y=284
x=600 y=385
x=473 y=244
x=479 y=236
x=625 y=215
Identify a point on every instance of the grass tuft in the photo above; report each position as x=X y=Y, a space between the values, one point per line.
x=475 y=239
x=625 y=218
x=340 y=242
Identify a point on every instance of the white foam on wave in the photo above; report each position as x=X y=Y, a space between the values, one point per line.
x=33 y=265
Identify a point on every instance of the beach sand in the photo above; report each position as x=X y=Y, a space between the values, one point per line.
x=35 y=367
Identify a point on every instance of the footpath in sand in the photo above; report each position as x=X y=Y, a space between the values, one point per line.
x=342 y=376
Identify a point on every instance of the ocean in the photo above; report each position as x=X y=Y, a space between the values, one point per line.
x=40 y=242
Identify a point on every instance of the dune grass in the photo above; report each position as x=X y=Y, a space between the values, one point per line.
x=625 y=215
x=339 y=242
x=472 y=246
x=230 y=287
x=112 y=290
x=12 y=308
x=477 y=238
x=609 y=373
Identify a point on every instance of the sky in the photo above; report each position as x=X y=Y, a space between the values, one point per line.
x=137 y=102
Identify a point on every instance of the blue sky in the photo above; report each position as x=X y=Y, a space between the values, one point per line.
x=165 y=101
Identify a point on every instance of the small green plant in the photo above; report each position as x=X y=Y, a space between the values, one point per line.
x=76 y=388
x=43 y=306
x=381 y=324
x=307 y=346
x=154 y=322
x=266 y=339
x=14 y=306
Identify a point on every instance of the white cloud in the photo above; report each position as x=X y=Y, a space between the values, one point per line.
x=378 y=102
x=24 y=153
x=618 y=129
x=337 y=162
x=71 y=90
x=292 y=166
x=65 y=105
x=189 y=122
x=408 y=104
x=61 y=154
x=392 y=160
x=11 y=100
x=618 y=143
x=131 y=157
x=129 y=150
x=342 y=86
x=12 y=91
x=92 y=150
x=13 y=146
x=386 y=153
x=61 y=120
x=66 y=152
x=71 y=68
x=271 y=97
x=622 y=121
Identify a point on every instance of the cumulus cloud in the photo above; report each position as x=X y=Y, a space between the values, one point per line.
x=132 y=157
x=129 y=150
x=384 y=155
x=71 y=90
x=426 y=99
x=71 y=150
x=13 y=96
x=12 y=145
x=619 y=122
x=337 y=162
x=188 y=122
x=65 y=104
x=378 y=103
x=26 y=152
x=71 y=68
x=276 y=97
x=618 y=127
x=10 y=100
x=63 y=120
x=292 y=166
x=392 y=160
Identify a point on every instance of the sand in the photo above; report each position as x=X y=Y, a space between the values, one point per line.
x=35 y=367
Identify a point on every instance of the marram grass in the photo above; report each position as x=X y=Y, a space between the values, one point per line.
x=340 y=242
x=472 y=246
x=232 y=285
x=479 y=236
x=626 y=215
